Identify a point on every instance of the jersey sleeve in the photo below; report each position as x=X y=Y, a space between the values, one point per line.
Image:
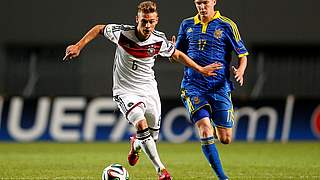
x=236 y=41
x=167 y=48
x=182 y=43
x=112 y=32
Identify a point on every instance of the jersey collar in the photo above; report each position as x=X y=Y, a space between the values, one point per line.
x=197 y=19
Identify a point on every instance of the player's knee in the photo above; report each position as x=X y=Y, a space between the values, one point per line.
x=205 y=128
x=206 y=131
x=224 y=135
x=225 y=140
x=136 y=116
x=141 y=125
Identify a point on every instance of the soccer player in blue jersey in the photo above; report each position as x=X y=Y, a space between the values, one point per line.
x=206 y=38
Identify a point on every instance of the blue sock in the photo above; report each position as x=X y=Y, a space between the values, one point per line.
x=210 y=151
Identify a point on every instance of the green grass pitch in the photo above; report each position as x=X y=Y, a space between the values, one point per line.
x=241 y=160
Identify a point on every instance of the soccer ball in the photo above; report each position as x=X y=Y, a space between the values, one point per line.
x=115 y=172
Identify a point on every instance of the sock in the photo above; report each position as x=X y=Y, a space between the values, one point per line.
x=210 y=151
x=148 y=146
x=136 y=146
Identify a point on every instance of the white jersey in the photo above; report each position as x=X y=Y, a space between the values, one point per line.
x=134 y=60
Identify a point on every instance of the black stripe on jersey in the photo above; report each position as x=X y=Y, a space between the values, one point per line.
x=120 y=101
x=116 y=28
x=161 y=35
x=104 y=29
x=122 y=28
x=128 y=28
x=171 y=47
x=114 y=67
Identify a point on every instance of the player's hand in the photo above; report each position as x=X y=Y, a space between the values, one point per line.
x=72 y=51
x=238 y=75
x=173 y=40
x=210 y=69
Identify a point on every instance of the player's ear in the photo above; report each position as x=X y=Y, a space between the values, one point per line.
x=137 y=19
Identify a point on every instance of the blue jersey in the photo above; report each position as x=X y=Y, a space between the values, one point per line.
x=206 y=43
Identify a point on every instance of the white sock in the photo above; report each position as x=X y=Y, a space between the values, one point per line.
x=149 y=147
x=136 y=145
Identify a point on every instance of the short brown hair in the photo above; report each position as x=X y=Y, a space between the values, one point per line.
x=147 y=7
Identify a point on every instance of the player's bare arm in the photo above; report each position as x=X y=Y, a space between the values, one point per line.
x=239 y=72
x=206 y=71
x=73 y=51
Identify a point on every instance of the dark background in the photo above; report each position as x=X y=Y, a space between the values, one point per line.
x=282 y=37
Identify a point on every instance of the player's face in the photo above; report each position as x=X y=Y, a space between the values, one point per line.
x=205 y=7
x=146 y=23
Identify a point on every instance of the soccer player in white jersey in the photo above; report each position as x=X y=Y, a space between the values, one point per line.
x=134 y=85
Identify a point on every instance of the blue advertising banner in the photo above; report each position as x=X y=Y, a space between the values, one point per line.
x=98 y=119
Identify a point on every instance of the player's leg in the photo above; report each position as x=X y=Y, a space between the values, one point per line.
x=223 y=118
x=224 y=134
x=147 y=143
x=200 y=112
x=143 y=139
x=206 y=134
x=128 y=103
x=152 y=115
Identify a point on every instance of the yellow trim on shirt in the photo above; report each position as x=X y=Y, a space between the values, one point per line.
x=241 y=55
x=205 y=25
x=233 y=26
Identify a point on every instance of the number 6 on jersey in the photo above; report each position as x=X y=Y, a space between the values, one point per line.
x=134 y=65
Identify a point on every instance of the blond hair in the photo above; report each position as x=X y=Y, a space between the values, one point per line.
x=147 y=7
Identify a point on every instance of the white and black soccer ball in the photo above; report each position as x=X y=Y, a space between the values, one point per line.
x=115 y=172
